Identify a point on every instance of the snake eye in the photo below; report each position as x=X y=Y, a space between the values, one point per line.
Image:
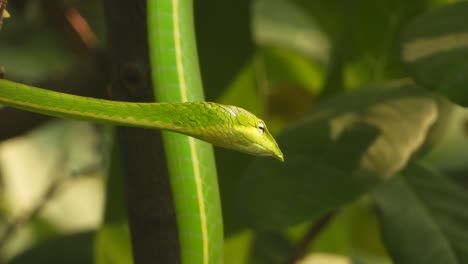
x=261 y=127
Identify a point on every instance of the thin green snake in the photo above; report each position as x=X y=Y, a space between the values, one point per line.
x=221 y=125
x=175 y=74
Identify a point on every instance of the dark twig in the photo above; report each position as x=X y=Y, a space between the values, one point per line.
x=300 y=249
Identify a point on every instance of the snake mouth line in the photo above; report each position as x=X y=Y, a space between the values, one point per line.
x=271 y=153
x=279 y=156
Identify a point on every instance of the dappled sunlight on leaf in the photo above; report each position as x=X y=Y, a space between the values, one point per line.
x=434 y=49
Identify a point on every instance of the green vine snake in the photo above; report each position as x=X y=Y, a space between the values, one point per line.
x=175 y=68
x=222 y=125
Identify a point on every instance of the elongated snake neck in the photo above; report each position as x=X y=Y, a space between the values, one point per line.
x=192 y=118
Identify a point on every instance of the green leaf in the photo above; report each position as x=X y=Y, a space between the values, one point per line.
x=424 y=218
x=435 y=48
x=347 y=145
x=76 y=248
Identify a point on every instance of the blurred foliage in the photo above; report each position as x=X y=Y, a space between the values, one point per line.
x=74 y=248
x=434 y=43
x=423 y=208
x=356 y=92
x=354 y=139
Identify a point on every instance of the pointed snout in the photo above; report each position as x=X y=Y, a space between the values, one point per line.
x=280 y=157
x=277 y=154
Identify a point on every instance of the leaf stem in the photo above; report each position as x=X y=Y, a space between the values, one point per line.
x=300 y=249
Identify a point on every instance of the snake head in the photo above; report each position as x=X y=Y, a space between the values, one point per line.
x=253 y=135
x=230 y=127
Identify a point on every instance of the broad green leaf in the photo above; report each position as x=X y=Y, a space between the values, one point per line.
x=337 y=152
x=434 y=49
x=423 y=218
x=76 y=248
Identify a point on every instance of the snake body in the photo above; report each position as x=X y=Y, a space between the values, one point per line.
x=222 y=125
